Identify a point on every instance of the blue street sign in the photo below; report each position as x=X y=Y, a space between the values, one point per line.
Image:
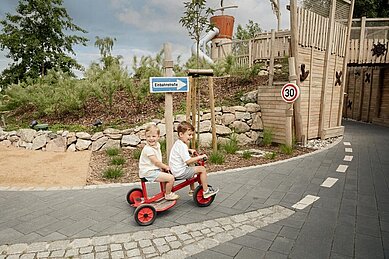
x=169 y=84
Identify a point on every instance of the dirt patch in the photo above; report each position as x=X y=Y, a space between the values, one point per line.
x=25 y=168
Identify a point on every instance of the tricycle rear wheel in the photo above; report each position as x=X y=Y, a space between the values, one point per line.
x=134 y=195
x=199 y=199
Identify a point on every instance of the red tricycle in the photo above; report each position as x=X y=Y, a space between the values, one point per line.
x=147 y=207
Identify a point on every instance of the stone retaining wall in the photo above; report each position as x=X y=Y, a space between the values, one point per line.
x=244 y=121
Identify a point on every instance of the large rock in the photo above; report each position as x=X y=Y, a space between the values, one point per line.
x=240 y=127
x=250 y=97
x=180 y=117
x=205 y=126
x=162 y=129
x=96 y=145
x=97 y=135
x=130 y=140
x=56 y=145
x=114 y=136
x=83 y=135
x=71 y=148
x=257 y=122
x=83 y=144
x=252 y=107
x=39 y=142
x=228 y=118
x=111 y=143
x=223 y=130
x=27 y=135
x=242 y=116
x=243 y=140
x=205 y=139
x=227 y=109
x=111 y=131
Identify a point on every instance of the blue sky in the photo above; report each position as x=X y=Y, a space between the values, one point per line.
x=141 y=27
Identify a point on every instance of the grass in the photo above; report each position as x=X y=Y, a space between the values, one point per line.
x=267 y=137
x=112 y=151
x=270 y=155
x=246 y=154
x=231 y=146
x=118 y=160
x=136 y=154
x=216 y=158
x=286 y=149
x=113 y=172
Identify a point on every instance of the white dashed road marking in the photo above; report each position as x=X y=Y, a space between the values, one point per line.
x=329 y=182
x=342 y=168
x=348 y=158
x=348 y=150
x=306 y=201
x=347 y=143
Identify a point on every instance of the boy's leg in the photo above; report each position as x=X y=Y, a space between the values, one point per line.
x=168 y=179
x=202 y=173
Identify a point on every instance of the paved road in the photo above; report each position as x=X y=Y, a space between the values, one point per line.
x=258 y=213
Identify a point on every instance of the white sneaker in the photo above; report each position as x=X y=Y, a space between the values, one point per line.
x=190 y=193
x=172 y=196
x=210 y=192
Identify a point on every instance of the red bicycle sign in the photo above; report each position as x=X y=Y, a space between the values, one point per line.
x=290 y=92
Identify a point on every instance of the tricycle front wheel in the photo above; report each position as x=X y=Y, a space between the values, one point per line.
x=145 y=215
x=199 y=199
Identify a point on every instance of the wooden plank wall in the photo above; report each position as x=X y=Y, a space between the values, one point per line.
x=273 y=111
x=367 y=97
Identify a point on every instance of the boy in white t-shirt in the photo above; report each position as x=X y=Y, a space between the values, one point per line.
x=150 y=163
x=180 y=160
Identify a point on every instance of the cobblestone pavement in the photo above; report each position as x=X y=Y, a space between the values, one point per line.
x=329 y=204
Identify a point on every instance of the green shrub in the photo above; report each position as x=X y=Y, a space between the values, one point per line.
x=246 y=154
x=286 y=149
x=112 y=151
x=118 y=160
x=113 y=172
x=270 y=155
x=267 y=137
x=216 y=158
x=136 y=153
x=231 y=146
x=162 y=142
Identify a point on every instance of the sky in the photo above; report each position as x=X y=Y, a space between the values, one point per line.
x=141 y=27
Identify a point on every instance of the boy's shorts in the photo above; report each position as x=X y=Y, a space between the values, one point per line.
x=188 y=173
x=153 y=175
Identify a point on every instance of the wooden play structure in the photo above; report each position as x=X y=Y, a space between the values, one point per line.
x=318 y=40
x=367 y=87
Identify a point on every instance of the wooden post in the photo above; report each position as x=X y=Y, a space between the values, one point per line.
x=294 y=53
x=193 y=94
x=272 y=50
x=289 y=109
x=327 y=57
x=168 y=64
x=212 y=107
x=345 y=61
x=189 y=100
x=362 y=40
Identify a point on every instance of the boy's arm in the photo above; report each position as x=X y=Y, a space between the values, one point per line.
x=195 y=159
x=158 y=163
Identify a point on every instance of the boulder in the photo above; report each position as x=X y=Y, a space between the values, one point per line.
x=71 y=148
x=111 y=143
x=250 y=97
x=83 y=144
x=257 y=123
x=56 y=145
x=240 y=127
x=27 y=135
x=83 y=135
x=39 y=142
x=243 y=140
x=223 y=130
x=111 y=131
x=130 y=140
x=205 y=126
x=97 y=135
x=227 y=118
x=205 y=139
x=252 y=107
x=162 y=129
x=96 y=145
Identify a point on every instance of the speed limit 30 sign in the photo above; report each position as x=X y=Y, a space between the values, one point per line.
x=290 y=92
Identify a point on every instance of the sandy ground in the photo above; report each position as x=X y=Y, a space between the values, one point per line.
x=20 y=167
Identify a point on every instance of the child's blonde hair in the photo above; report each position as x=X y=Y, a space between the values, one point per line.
x=152 y=127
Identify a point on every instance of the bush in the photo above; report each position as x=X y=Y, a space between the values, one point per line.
x=216 y=158
x=118 y=160
x=246 y=154
x=270 y=155
x=267 y=137
x=112 y=151
x=231 y=146
x=136 y=154
x=113 y=172
x=286 y=149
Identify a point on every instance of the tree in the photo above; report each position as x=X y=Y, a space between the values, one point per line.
x=371 y=8
x=249 y=32
x=37 y=38
x=105 y=46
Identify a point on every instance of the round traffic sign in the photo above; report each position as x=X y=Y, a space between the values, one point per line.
x=290 y=92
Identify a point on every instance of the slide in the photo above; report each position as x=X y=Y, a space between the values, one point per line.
x=203 y=44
